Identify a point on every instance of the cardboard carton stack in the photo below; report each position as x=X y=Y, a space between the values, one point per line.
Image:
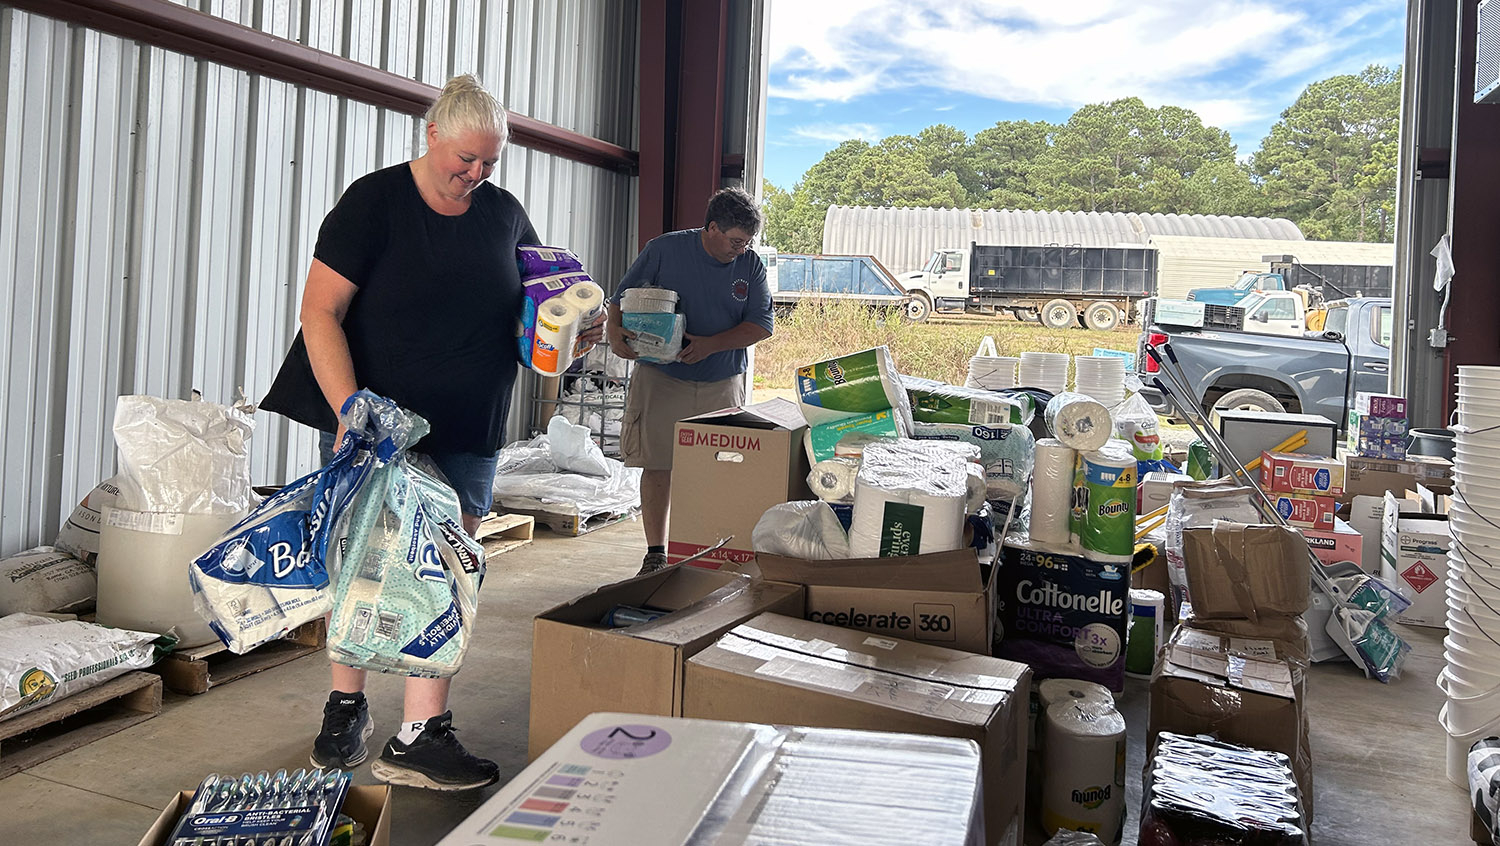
x=1414 y=539
x=1377 y=426
x=1235 y=666
x=1305 y=488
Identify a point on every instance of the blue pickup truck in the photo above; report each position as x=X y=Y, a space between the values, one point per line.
x=1318 y=373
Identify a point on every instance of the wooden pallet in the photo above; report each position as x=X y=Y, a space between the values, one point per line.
x=500 y=533
x=197 y=670
x=570 y=525
x=80 y=719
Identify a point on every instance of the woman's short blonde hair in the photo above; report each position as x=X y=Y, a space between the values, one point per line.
x=465 y=106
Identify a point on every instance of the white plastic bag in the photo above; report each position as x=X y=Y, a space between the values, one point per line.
x=526 y=477
x=806 y=530
x=573 y=448
x=183 y=456
x=45 y=579
x=43 y=660
x=1199 y=504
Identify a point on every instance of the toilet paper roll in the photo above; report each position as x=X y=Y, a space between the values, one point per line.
x=1053 y=691
x=853 y=385
x=823 y=440
x=1083 y=770
x=648 y=301
x=907 y=501
x=832 y=480
x=1007 y=452
x=556 y=335
x=588 y=298
x=1051 y=491
x=1104 y=499
x=1081 y=422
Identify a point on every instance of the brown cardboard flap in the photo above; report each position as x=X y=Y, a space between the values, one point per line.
x=1246 y=572
x=1214 y=660
x=956 y=571
x=772 y=414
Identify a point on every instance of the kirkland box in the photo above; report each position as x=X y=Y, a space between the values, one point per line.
x=1062 y=613
x=728 y=467
x=941 y=598
x=630 y=779
x=579 y=666
x=1295 y=473
x=1414 y=562
x=786 y=671
x=1341 y=543
x=369 y=806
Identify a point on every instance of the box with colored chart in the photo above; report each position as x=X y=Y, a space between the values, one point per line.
x=1294 y=473
x=629 y=779
x=1305 y=511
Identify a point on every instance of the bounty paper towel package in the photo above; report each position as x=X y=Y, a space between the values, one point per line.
x=908 y=500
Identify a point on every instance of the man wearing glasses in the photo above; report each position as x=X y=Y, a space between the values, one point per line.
x=722 y=294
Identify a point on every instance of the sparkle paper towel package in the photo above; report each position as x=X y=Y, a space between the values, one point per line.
x=908 y=500
x=1062 y=612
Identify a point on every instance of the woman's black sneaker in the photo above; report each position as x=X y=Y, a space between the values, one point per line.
x=435 y=760
x=346 y=724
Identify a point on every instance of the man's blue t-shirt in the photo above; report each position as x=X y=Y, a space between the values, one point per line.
x=712 y=296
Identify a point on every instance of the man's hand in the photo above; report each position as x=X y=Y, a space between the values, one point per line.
x=590 y=336
x=699 y=347
x=619 y=338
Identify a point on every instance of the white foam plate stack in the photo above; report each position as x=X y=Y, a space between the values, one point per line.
x=1048 y=371
x=1101 y=377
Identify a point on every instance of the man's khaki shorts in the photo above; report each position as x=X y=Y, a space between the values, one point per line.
x=655 y=402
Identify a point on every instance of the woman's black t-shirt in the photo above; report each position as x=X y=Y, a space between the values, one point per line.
x=433 y=325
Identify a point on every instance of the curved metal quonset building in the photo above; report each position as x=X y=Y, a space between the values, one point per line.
x=903 y=238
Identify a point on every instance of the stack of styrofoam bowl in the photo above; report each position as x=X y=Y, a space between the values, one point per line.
x=1048 y=371
x=1471 y=678
x=992 y=372
x=1101 y=377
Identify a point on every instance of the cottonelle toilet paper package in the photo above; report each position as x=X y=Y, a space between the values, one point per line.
x=909 y=499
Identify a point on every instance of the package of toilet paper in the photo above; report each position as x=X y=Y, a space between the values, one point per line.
x=1006 y=452
x=909 y=499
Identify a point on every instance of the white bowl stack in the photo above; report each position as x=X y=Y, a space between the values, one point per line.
x=1472 y=648
x=1101 y=377
x=992 y=372
x=1048 y=371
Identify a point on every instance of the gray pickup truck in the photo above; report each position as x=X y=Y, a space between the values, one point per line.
x=1318 y=373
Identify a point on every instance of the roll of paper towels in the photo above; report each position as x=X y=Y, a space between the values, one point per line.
x=1104 y=496
x=853 y=385
x=832 y=480
x=907 y=501
x=1079 y=421
x=1083 y=769
x=1052 y=691
x=1051 y=491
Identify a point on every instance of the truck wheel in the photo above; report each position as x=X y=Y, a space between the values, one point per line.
x=1102 y=317
x=1249 y=399
x=1059 y=314
x=918 y=307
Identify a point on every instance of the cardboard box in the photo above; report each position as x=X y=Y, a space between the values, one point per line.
x=1156 y=490
x=1236 y=571
x=1342 y=543
x=1414 y=562
x=1380 y=405
x=1364 y=476
x=578 y=666
x=779 y=670
x=728 y=467
x=626 y=779
x=1366 y=516
x=1239 y=690
x=1296 y=473
x=1305 y=511
x=1062 y=613
x=370 y=806
x=941 y=598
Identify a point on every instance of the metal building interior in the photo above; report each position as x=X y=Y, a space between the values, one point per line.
x=163 y=167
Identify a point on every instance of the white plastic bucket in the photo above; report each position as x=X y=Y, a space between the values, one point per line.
x=1459 y=743
x=1473 y=712
x=143 y=570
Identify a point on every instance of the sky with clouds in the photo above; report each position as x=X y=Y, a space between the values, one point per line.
x=867 y=69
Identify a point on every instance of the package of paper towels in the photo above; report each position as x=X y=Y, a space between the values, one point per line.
x=1006 y=452
x=810 y=531
x=832 y=479
x=1079 y=421
x=853 y=385
x=1049 y=508
x=937 y=402
x=825 y=440
x=909 y=499
x=1103 y=517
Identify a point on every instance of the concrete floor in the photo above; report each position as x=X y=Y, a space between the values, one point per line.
x=1378 y=751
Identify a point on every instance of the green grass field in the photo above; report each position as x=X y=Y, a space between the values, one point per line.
x=937 y=349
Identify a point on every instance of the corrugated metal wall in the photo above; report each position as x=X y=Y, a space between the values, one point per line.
x=158 y=213
x=904 y=238
x=1186 y=263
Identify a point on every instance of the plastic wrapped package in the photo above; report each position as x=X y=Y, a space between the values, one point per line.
x=43 y=660
x=806 y=530
x=832 y=479
x=574 y=450
x=1065 y=837
x=1136 y=424
x=1200 y=504
x=938 y=402
x=526 y=477
x=909 y=499
x=854 y=385
x=183 y=456
x=45 y=580
x=1201 y=791
x=1007 y=452
x=537 y=260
